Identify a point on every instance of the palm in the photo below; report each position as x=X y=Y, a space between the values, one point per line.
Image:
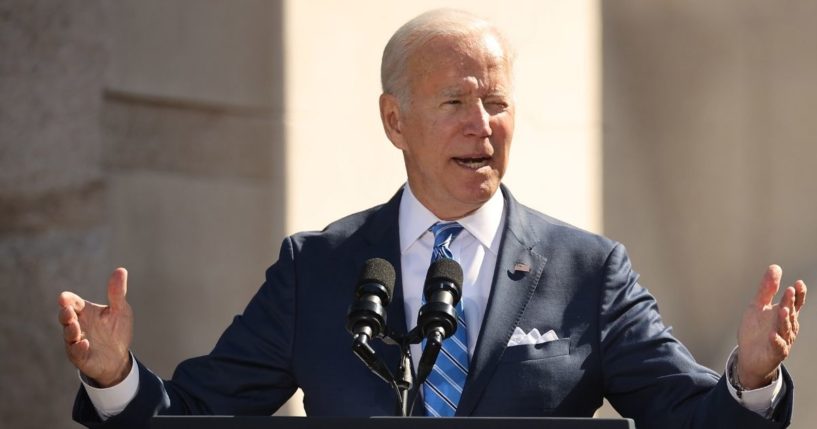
x=768 y=330
x=98 y=337
x=109 y=335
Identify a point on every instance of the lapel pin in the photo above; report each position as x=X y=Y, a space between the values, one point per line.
x=521 y=268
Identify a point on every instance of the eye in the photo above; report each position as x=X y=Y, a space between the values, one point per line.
x=496 y=105
x=453 y=101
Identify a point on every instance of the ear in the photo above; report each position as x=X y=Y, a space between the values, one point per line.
x=391 y=118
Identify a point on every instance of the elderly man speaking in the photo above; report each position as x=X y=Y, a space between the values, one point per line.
x=552 y=318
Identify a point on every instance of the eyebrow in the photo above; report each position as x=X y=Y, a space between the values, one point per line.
x=455 y=91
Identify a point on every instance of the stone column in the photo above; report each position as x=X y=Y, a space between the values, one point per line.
x=194 y=155
x=54 y=230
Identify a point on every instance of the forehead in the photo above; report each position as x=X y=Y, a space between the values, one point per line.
x=458 y=59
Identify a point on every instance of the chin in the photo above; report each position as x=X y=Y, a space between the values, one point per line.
x=481 y=194
x=488 y=187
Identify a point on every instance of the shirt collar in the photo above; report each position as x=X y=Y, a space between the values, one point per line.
x=484 y=224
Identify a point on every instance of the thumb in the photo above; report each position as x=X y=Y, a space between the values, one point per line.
x=117 y=289
x=769 y=286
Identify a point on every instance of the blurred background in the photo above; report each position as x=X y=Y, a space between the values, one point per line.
x=183 y=139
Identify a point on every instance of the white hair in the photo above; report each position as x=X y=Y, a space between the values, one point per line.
x=418 y=31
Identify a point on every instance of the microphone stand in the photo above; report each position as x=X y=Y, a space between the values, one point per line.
x=424 y=367
x=362 y=349
x=403 y=381
x=404 y=371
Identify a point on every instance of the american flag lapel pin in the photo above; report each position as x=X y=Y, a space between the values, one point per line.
x=521 y=267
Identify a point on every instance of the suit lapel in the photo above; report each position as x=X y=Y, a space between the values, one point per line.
x=382 y=238
x=512 y=289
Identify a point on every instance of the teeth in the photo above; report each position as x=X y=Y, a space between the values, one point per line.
x=473 y=164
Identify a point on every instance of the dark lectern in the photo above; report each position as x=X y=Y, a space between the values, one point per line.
x=226 y=422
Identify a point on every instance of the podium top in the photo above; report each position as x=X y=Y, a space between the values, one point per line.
x=225 y=422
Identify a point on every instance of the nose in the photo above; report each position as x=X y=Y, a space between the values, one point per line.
x=477 y=121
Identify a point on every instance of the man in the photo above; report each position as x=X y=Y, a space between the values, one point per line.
x=447 y=104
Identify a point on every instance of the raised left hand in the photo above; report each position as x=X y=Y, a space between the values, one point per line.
x=768 y=330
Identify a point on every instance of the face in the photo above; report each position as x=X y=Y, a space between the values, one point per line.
x=456 y=130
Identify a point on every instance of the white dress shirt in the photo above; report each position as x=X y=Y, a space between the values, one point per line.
x=476 y=249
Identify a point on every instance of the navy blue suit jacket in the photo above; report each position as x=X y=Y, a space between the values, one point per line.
x=612 y=342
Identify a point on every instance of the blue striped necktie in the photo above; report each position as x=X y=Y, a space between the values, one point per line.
x=443 y=387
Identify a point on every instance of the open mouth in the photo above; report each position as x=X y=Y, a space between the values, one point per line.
x=472 y=163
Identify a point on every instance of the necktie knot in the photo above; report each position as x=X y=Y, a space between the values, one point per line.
x=444 y=234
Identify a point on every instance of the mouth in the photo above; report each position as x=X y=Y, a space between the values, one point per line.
x=473 y=163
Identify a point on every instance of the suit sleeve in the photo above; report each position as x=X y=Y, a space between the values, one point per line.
x=247 y=373
x=650 y=376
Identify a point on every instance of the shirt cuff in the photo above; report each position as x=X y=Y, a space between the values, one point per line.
x=762 y=401
x=110 y=401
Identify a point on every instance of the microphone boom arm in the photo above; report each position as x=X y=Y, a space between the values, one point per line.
x=362 y=349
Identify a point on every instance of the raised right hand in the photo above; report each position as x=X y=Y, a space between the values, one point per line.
x=97 y=337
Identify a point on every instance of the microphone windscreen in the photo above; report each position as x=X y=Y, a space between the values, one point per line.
x=378 y=271
x=445 y=270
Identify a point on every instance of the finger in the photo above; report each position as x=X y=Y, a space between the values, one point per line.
x=769 y=286
x=66 y=315
x=70 y=299
x=78 y=351
x=784 y=328
x=799 y=294
x=72 y=333
x=117 y=289
x=788 y=299
x=788 y=302
x=782 y=349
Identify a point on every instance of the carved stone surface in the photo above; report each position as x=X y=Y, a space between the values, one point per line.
x=53 y=231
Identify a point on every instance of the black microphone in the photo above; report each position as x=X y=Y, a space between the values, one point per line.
x=437 y=319
x=443 y=290
x=366 y=317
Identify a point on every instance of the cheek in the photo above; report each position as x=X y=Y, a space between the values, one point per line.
x=505 y=124
x=503 y=135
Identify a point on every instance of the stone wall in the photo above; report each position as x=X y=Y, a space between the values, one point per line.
x=143 y=134
x=709 y=124
x=54 y=223
x=195 y=160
